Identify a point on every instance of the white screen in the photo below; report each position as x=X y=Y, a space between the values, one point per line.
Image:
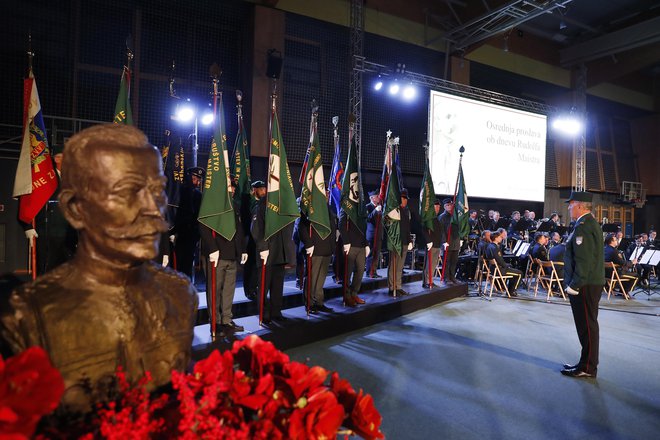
x=504 y=148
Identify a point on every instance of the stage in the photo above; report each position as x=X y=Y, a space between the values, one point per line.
x=300 y=329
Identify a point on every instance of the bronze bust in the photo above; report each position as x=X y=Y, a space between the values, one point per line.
x=110 y=305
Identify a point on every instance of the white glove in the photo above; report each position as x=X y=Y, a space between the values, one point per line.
x=394 y=214
x=347 y=247
x=445 y=245
x=572 y=291
x=410 y=246
x=379 y=208
x=461 y=243
x=213 y=257
x=172 y=238
x=166 y=260
x=243 y=258
x=337 y=235
x=31 y=234
x=429 y=246
x=264 y=255
x=310 y=250
x=368 y=249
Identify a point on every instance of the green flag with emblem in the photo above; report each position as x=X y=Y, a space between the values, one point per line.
x=460 y=216
x=281 y=206
x=427 y=198
x=391 y=209
x=123 y=113
x=313 y=201
x=351 y=188
x=216 y=210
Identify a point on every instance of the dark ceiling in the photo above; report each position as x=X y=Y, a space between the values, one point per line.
x=618 y=40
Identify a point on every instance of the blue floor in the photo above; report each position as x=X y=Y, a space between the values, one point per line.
x=473 y=369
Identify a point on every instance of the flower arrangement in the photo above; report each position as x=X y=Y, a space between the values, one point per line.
x=252 y=391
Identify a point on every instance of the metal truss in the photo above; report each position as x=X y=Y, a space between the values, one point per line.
x=500 y=20
x=357 y=59
x=456 y=88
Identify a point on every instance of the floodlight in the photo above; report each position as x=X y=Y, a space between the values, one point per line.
x=568 y=125
x=378 y=84
x=394 y=88
x=207 y=119
x=409 y=92
x=185 y=113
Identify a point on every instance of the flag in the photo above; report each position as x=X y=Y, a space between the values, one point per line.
x=427 y=198
x=174 y=169
x=123 y=114
x=397 y=164
x=336 y=176
x=281 y=206
x=36 y=178
x=392 y=202
x=216 y=210
x=313 y=202
x=240 y=168
x=387 y=168
x=460 y=216
x=351 y=189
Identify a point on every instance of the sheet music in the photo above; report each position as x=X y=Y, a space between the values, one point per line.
x=655 y=259
x=515 y=249
x=646 y=257
x=636 y=253
x=523 y=249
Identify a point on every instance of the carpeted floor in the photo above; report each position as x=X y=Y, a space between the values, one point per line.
x=473 y=369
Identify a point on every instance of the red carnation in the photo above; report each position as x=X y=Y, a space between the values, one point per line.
x=30 y=387
x=303 y=378
x=316 y=417
x=346 y=395
x=257 y=356
x=365 y=419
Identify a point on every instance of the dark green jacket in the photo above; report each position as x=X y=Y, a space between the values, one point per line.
x=583 y=261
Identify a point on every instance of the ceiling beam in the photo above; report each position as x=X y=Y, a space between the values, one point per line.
x=641 y=34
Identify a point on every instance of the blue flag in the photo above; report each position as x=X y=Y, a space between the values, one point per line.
x=336 y=176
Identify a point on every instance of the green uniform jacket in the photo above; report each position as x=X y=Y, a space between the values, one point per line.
x=583 y=261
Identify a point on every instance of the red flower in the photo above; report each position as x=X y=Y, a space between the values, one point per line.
x=365 y=419
x=346 y=395
x=257 y=356
x=318 y=417
x=29 y=388
x=303 y=378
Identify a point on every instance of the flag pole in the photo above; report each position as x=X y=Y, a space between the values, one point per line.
x=262 y=289
x=460 y=159
x=215 y=74
x=309 y=276
x=32 y=243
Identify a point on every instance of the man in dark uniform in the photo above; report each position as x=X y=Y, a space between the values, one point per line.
x=584 y=275
x=320 y=250
x=250 y=269
x=355 y=252
x=494 y=252
x=395 y=267
x=433 y=244
x=451 y=242
x=374 y=232
x=275 y=253
x=539 y=250
x=613 y=255
x=223 y=256
x=185 y=225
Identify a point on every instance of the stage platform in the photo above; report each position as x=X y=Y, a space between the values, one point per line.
x=299 y=329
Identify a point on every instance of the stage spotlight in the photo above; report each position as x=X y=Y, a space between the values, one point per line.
x=569 y=125
x=185 y=113
x=394 y=88
x=378 y=84
x=207 y=119
x=409 y=92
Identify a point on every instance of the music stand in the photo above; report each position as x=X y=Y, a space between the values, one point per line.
x=546 y=226
x=650 y=257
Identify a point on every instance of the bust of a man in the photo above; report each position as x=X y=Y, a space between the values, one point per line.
x=110 y=305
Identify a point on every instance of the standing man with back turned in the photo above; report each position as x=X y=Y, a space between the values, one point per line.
x=584 y=275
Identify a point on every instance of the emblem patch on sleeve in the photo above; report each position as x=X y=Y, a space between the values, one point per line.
x=578 y=240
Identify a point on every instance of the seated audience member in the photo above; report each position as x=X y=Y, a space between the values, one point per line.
x=612 y=255
x=493 y=252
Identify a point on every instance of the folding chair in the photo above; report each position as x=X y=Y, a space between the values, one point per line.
x=547 y=276
x=495 y=277
x=616 y=278
x=529 y=272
